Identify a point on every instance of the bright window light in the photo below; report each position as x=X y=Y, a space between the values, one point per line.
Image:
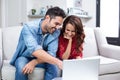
x=109 y=17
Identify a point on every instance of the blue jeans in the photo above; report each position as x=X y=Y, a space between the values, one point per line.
x=51 y=71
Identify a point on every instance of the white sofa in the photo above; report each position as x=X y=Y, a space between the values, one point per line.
x=94 y=45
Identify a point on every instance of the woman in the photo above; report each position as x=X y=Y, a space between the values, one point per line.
x=71 y=39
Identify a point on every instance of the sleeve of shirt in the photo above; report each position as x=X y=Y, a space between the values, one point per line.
x=53 y=44
x=52 y=47
x=30 y=40
x=61 y=48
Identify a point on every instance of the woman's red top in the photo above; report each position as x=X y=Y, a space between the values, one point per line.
x=62 y=45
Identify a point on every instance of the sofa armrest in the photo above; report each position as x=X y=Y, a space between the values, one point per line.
x=1 y=58
x=110 y=51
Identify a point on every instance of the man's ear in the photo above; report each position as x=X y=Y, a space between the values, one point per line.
x=47 y=17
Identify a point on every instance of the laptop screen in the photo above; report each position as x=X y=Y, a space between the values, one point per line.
x=81 y=69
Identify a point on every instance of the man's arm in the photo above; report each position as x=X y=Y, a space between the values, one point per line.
x=38 y=52
x=42 y=56
x=45 y=57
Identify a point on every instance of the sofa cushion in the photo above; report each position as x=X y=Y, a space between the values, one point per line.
x=108 y=66
x=0 y=48
x=115 y=76
x=110 y=51
x=0 y=39
x=10 y=37
x=100 y=37
x=90 y=46
x=38 y=73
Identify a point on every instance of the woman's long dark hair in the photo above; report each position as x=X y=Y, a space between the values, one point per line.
x=79 y=31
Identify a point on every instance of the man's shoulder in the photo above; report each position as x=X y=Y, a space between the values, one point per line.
x=33 y=23
x=33 y=26
x=56 y=33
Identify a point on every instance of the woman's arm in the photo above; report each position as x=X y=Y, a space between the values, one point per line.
x=67 y=52
x=78 y=57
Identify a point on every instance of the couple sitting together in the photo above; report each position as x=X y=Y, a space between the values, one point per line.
x=42 y=43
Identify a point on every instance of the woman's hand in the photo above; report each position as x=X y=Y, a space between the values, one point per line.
x=67 y=36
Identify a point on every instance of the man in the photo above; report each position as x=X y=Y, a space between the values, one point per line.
x=37 y=46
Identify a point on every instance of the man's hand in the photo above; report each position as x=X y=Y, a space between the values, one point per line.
x=28 y=68
x=59 y=64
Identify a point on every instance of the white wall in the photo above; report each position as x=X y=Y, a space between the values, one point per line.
x=87 y=5
x=27 y=5
x=13 y=12
x=37 y=4
x=90 y=7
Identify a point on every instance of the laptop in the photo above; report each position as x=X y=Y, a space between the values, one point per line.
x=81 y=69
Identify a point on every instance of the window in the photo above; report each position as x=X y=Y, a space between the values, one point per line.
x=108 y=19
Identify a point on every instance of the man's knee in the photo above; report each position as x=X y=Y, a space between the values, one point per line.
x=21 y=62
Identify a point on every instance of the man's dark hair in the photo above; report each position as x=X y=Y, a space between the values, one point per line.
x=55 y=11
